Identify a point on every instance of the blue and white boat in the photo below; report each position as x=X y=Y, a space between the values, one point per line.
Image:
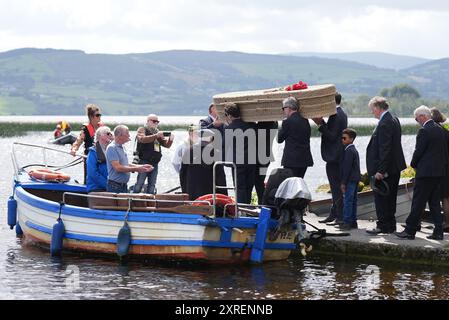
x=63 y=216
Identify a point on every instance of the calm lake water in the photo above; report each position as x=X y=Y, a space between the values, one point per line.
x=30 y=273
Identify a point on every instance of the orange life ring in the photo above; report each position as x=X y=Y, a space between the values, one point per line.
x=220 y=200
x=49 y=175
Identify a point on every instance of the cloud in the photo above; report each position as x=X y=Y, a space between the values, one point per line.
x=264 y=26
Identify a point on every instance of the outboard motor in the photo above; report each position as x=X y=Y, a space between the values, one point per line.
x=292 y=198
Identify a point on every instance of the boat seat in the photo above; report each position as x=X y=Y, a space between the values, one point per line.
x=135 y=204
x=173 y=203
x=170 y=200
x=95 y=203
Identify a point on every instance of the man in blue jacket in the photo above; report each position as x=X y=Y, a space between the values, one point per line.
x=97 y=171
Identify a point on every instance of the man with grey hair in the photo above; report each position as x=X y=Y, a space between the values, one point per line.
x=430 y=159
x=97 y=172
x=295 y=131
x=384 y=162
x=117 y=162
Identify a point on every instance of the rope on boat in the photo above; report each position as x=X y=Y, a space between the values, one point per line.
x=67 y=165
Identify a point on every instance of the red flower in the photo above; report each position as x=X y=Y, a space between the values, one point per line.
x=296 y=86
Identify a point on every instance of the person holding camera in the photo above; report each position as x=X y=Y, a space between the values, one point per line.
x=149 y=141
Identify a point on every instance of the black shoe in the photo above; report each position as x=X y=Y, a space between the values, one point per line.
x=418 y=228
x=404 y=235
x=374 y=231
x=446 y=230
x=345 y=227
x=328 y=219
x=435 y=236
x=354 y=225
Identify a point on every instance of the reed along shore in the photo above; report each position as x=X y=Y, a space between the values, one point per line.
x=11 y=129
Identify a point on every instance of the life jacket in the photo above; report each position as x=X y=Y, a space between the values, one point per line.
x=89 y=134
x=150 y=152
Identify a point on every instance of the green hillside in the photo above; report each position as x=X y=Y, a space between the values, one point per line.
x=377 y=59
x=47 y=81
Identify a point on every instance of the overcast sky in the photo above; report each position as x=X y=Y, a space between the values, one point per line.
x=417 y=28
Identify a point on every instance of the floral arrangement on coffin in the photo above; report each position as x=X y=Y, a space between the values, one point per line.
x=296 y=86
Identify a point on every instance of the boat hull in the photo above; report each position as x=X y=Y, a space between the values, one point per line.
x=366 y=209
x=66 y=139
x=154 y=235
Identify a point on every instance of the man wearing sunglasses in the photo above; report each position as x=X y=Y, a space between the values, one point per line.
x=149 y=141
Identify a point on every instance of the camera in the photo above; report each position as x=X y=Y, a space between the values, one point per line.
x=166 y=133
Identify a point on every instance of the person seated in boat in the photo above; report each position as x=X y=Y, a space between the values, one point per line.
x=87 y=132
x=148 y=151
x=58 y=132
x=65 y=127
x=119 y=168
x=97 y=171
x=350 y=177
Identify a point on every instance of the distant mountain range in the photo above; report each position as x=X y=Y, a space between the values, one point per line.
x=377 y=59
x=48 y=81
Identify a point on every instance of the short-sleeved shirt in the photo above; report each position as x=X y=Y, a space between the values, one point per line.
x=115 y=152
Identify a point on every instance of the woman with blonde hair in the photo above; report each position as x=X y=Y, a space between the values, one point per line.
x=440 y=118
x=87 y=132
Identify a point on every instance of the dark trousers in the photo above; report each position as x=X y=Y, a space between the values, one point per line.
x=245 y=182
x=350 y=203
x=426 y=190
x=333 y=175
x=259 y=181
x=386 y=205
x=299 y=172
x=116 y=187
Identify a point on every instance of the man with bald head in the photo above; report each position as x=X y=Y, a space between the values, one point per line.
x=148 y=151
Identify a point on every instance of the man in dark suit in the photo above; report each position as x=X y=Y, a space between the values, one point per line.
x=385 y=161
x=295 y=131
x=429 y=159
x=331 y=152
x=212 y=121
x=240 y=138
